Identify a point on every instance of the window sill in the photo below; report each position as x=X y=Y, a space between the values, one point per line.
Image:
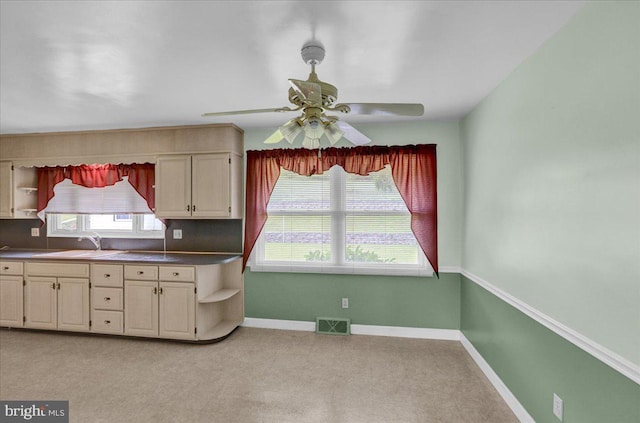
x=342 y=270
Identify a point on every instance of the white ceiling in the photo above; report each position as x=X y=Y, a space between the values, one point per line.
x=123 y=64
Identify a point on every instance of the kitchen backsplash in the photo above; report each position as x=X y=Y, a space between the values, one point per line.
x=215 y=235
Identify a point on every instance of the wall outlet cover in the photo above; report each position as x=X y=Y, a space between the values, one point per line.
x=177 y=234
x=345 y=303
x=35 y=231
x=557 y=406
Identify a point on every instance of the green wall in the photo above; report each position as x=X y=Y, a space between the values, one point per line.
x=373 y=300
x=535 y=363
x=424 y=302
x=552 y=179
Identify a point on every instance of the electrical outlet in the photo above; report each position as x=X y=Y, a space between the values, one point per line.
x=557 y=406
x=35 y=231
x=177 y=234
x=345 y=303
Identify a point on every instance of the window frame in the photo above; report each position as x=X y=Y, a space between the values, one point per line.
x=338 y=215
x=53 y=228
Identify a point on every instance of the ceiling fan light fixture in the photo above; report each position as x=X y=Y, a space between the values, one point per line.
x=310 y=143
x=314 y=128
x=290 y=130
x=333 y=133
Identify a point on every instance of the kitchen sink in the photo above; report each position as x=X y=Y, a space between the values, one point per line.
x=78 y=254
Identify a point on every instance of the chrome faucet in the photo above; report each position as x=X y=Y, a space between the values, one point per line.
x=95 y=240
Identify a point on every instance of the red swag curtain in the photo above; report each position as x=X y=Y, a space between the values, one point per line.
x=413 y=168
x=141 y=178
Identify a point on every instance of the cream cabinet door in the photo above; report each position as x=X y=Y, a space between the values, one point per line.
x=173 y=186
x=141 y=308
x=41 y=303
x=210 y=185
x=177 y=310
x=11 y=297
x=73 y=304
x=6 y=189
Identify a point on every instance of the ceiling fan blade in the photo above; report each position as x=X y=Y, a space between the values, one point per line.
x=246 y=112
x=352 y=134
x=389 y=109
x=308 y=91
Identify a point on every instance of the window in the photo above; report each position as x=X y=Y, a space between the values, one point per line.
x=115 y=211
x=106 y=225
x=338 y=222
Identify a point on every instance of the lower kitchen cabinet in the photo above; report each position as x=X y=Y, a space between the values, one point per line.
x=184 y=302
x=11 y=301
x=57 y=303
x=165 y=309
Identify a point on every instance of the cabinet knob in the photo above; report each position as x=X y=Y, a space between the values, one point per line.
x=53 y=285
x=161 y=291
x=194 y=207
x=188 y=207
x=176 y=274
x=5 y=267
x=107 y=322
x=107 y=275
x=107 y=298
x=155 y=290
x=140 y=272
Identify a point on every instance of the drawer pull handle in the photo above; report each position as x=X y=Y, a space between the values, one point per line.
x=107 y=275
x=161 y=291
x=140 y=272
x=188 y=207
x=107 y=322
x=5 y=267
x=176 y=274
x=107 y=298
x=155 y=291
x=53 y=285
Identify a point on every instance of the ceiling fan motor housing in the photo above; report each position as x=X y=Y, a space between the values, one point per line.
x=312 y=52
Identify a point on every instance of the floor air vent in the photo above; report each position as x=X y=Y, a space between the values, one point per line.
x=333 y=326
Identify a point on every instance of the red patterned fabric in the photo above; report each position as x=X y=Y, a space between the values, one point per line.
x=413 y=168
x=141 y=178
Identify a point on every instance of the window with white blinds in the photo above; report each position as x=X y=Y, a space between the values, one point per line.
x=338 y=222
x=115 y=211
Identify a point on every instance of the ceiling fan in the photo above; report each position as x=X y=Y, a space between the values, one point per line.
x=314 y=97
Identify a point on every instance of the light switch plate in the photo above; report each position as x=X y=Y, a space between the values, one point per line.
x=35 y=231
x=177 y=234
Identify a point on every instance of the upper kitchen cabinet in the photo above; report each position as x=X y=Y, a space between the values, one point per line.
x=6 y=190
x=198 y=167
x=18 y=187
x=201 y=186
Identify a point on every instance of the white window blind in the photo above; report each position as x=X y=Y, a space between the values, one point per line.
x=119 y=198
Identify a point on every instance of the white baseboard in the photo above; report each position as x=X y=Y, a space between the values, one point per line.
x=395 y=331
x=405 y=332
x=253 y=322
x=497 y=383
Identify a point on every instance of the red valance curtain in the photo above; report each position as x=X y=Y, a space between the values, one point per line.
x=413 y=168
x=141 y=178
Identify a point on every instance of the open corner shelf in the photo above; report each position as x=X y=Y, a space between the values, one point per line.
x=221 y=295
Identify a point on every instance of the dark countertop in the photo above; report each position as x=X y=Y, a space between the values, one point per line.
x=154 y=257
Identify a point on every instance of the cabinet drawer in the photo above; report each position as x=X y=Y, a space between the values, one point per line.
x=107 y=321
x=11 y=268
x=141 y=273
x=106 y=274
x=177 y=274
x=58 y=269
x=106 y=298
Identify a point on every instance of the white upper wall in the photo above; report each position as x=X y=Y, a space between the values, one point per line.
x=449 y=155
x=552 y=179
